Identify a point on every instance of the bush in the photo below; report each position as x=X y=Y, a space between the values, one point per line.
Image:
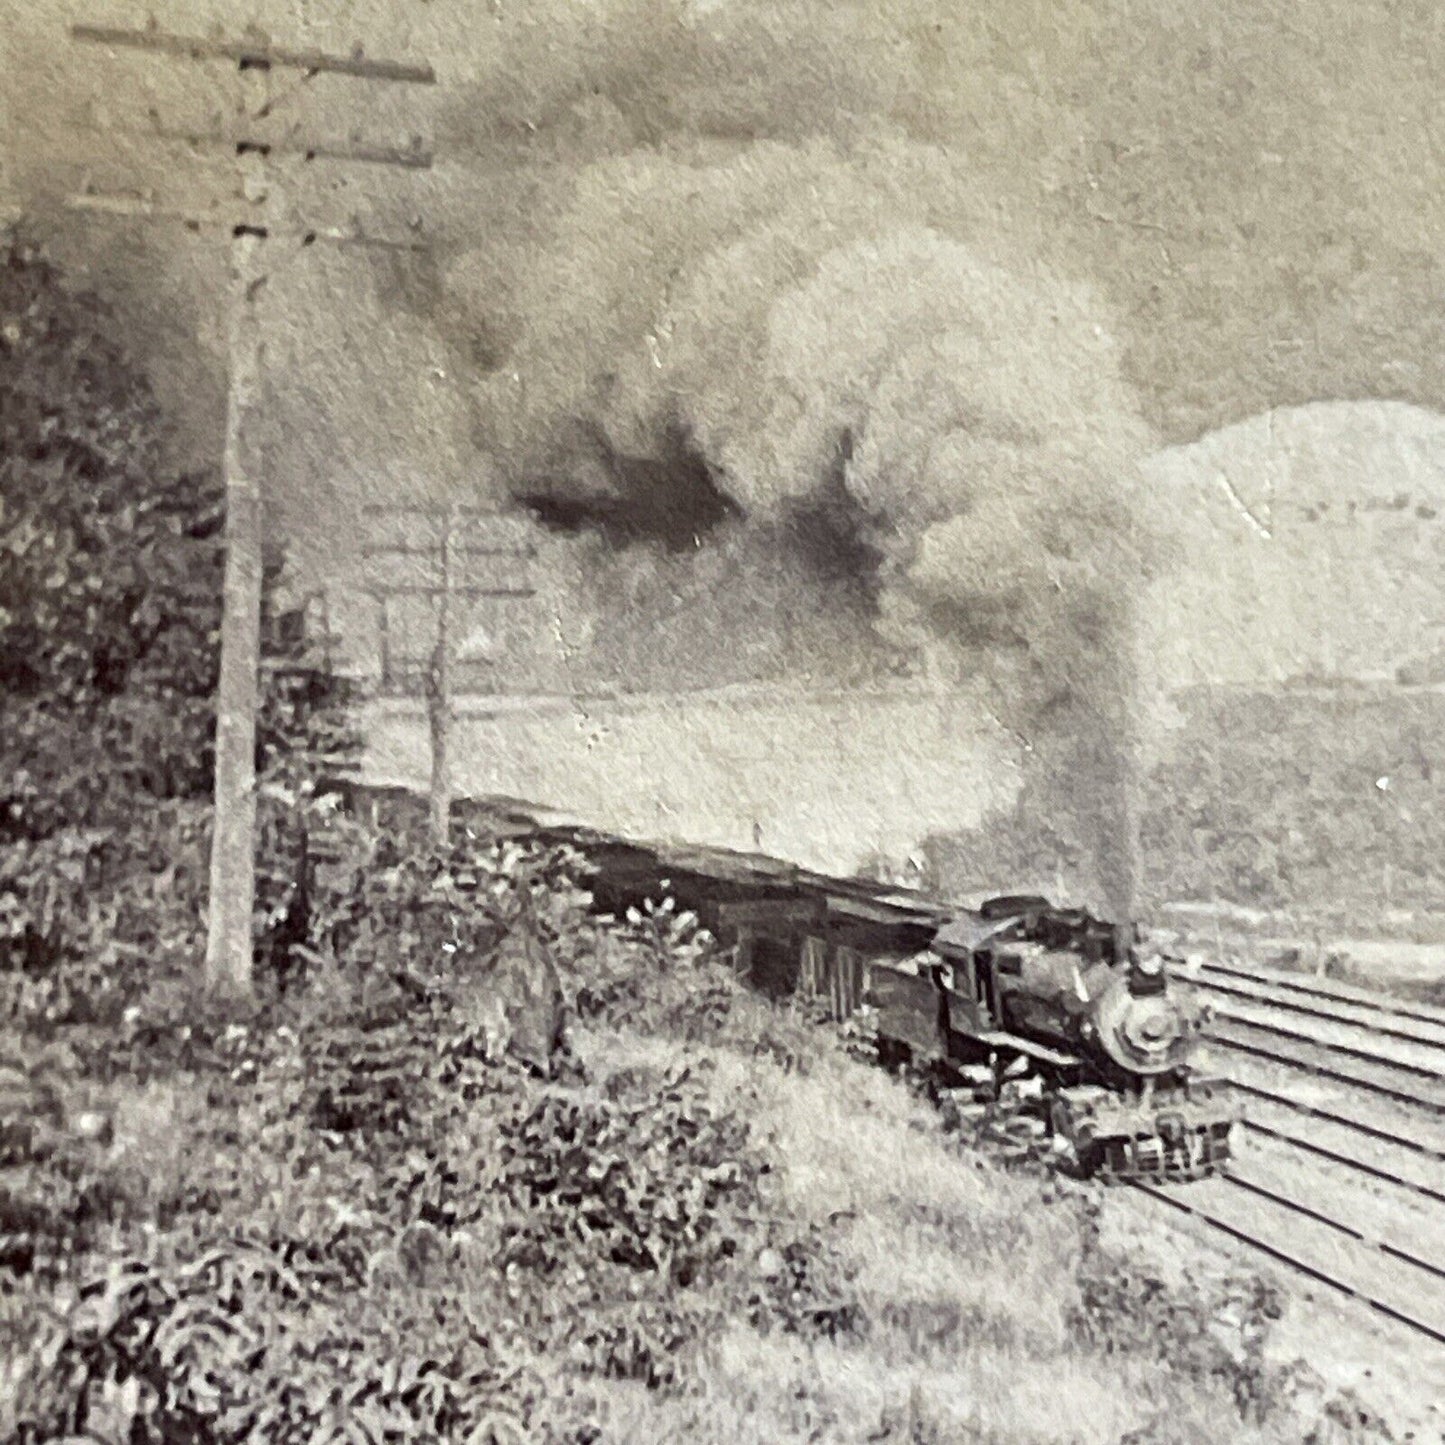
x=109 y=569
x=647 y=1179
x=375 y=1225
x=110 y=608
x=407 y=907
x=273 y=1340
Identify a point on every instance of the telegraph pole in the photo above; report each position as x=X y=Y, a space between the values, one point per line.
x=439 y=694
x=439 y=558
x=232 y=870
x=232 y=889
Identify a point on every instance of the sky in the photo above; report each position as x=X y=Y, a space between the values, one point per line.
x=753 y=288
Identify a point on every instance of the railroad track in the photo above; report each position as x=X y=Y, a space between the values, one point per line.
x=1378 y=1018
x=1361 y=1126
x=1414 y=1085
x=1335 y=1156
x=1319 y=1030
x=1368 y=1001
x=1195 y=1202
x=1273 y=1220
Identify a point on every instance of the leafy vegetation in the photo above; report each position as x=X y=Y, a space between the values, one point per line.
x=110 y=584
x=372 y=1226
x=349 y=1216
x=1322 y=804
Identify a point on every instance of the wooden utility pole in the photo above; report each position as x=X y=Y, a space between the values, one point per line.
x=233 y=858
x=232 y=872
x=439 y=557
x=439 y=694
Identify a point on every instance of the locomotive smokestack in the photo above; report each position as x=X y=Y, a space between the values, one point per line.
x=1121 y=857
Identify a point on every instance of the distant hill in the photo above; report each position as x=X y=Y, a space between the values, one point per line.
x=1301 y=638
x=1313 y=547
x=1329 y=801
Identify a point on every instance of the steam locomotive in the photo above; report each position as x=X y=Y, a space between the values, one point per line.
x=1079 y=1005
x=1049 y=1011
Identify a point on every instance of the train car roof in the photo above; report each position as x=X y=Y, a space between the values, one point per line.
x=971 y=931
x=877 y=903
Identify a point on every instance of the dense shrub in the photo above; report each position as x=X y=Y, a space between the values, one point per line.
x=108 y=564
x=376 y=1225
x=646 y=1178
x=90 y=917
x=110 y=571
x=409 y=905
x=275 y=1340
x=110 y=605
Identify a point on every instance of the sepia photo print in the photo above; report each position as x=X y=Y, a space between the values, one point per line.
x=722 y=721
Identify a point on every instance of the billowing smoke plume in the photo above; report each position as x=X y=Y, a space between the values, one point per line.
x=790 y=338
x=795 y=317
x=767 y=291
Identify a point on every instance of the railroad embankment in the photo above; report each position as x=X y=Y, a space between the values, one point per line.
x=349 y=1207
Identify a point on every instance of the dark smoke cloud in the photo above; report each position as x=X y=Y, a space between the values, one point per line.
x=788 y=337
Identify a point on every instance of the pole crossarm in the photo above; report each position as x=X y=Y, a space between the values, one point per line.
x=521 y=554
x=432 y=509
x=412 y=157
x=255 y=54
x=435 y=671
x=437 y=589
x=122 y=204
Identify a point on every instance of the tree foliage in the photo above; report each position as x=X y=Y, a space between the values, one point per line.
x=110 y=609
x=109 y=569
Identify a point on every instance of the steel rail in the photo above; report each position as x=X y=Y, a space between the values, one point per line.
x=1311 y=1011
x=1360 y=997
x=1349 y=1051
x=1373 y=1131
x=1283 y=1256
x=1323 y=1071
x=1330 y=1221
x=1348 y=1160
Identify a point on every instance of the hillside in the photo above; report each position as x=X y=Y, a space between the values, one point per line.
x=1310 y=545
x=1328 y=801
x=347 y=1212
x=1324 y=804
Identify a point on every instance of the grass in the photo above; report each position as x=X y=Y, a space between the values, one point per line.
x=968 y=1276
x=717 y=1226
